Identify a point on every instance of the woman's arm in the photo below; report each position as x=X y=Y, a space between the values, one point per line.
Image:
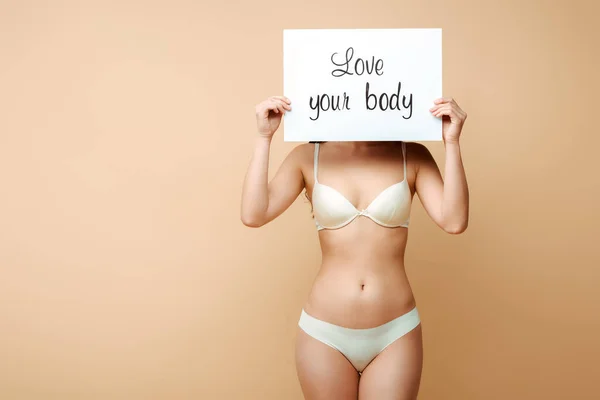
x=446 y=200
x=263 y=201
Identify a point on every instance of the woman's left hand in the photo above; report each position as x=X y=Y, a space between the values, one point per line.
x=453 y=118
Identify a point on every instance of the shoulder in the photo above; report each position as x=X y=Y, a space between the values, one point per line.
x=417 y=151
x=300 y=155
x=418 y=154
x=302 y=152
x=304 y=148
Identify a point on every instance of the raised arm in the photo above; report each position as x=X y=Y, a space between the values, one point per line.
x=263 y=201
x=446 y=199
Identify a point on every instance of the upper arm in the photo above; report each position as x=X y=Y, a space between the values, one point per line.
x=429 y=184
x=287 y=183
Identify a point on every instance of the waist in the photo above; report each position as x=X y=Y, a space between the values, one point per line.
x=360 y=293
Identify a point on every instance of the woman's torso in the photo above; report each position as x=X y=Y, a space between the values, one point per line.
x=362 y=280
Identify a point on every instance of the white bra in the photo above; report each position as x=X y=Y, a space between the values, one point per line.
x=391 y=208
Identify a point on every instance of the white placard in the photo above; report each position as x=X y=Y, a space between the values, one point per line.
x=362 y=84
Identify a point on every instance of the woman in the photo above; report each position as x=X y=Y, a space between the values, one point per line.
x=359 y=333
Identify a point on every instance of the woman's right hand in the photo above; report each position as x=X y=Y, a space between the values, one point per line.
x=269 y=113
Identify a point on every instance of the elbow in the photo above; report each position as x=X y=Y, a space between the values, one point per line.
x=251 y=221
x=252 y=217
x=457 y=228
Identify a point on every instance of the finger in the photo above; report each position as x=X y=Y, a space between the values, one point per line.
x=264 y=108
x=443 y=100
x=450 y=112
x=273 y=105
x=445 y=112
x=281 y=108
x=283 y=98
x=283 y=103
x=442 y=110
x=278 y=106
x=437 y=107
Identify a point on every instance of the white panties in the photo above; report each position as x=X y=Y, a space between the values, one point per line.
x=359 y=346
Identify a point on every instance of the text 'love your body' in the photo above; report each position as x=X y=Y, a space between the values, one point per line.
x=358 y=67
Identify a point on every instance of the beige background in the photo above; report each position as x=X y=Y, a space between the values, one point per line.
x=125 y=131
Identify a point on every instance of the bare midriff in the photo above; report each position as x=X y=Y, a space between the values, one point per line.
x=362 y=282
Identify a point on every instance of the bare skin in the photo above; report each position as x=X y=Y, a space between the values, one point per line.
x=362 y=281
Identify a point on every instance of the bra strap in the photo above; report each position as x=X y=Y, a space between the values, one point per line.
x=404 y=156
x=316 y=160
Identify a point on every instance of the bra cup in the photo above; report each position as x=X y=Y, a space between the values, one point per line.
x=330 y=207
x=392 y=206
x=332 y=210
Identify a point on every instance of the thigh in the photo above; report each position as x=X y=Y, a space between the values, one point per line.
x=395 y=374
x=324 y=373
